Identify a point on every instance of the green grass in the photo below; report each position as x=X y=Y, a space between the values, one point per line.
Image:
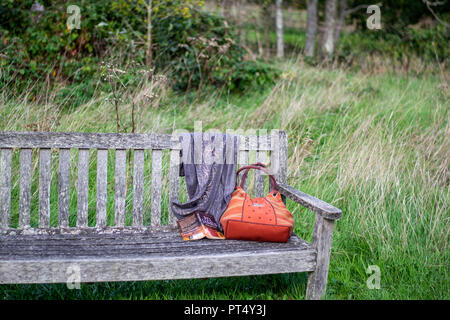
x=375 y=146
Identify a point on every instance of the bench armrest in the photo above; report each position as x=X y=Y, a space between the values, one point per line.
x=320 y=207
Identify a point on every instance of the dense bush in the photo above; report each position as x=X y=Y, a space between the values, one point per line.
x=430 y=44
x=190 y=45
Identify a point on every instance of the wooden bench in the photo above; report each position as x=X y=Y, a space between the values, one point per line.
x=36 y=249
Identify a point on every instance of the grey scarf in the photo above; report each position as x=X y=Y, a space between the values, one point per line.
x=209 y=162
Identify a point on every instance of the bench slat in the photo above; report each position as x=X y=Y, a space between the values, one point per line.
x=261 y=156
x=275 y=156
x=253 y=142
x=174 y=180
x=83 y=187
x=85 y=140
x=63 y=188
x=156 y=187
x=138 y=187
x=147 y=256
x=120 y=191
x=25 y=187
x=165 y=243
x=5 y=188
x=243 y=156
x=282 y=172
x=102 y=180
x=44 y=187
x=283 y=156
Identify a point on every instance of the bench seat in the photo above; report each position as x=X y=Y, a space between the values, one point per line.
x=144 y=256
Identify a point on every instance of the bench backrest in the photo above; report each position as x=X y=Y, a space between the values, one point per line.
x=270 y=148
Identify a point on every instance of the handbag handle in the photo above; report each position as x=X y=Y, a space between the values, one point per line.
x=259 y=166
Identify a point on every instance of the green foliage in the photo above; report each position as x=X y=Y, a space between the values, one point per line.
x=397 y=15
x=429 y=44
x=195 y=47
x=250 y=74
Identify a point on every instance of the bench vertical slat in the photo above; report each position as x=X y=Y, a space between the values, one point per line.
x=44 y=187
x=283 y=158
x=174 y=177
x=102 y=179
x=120 y=190
x=25 y=188
x=274 y=156
x=259 y=175
x=156 y=187
x=5 y=188
x=63 y=187
x=253 y=145
x=138 y=187
x=243 y=157
x=83 y=187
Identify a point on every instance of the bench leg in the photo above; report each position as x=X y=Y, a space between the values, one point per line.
x=317 y=280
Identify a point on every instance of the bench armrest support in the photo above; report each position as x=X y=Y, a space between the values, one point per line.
x=322 y=237
x=320 y=207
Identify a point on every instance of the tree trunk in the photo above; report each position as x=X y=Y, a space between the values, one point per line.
x=341 y=21
x=279 y=28
x=149 y=57
x=311 y=27
x=226 y=8
x=330 y=27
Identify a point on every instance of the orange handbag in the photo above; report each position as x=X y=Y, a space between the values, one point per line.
x=258 y=219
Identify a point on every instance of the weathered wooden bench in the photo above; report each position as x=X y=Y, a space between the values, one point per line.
x=35 y=251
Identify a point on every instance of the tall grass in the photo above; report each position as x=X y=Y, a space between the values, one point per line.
x=376 y=146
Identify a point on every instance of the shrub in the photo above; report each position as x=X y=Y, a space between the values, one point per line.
x=429 y=44
x=194 y=47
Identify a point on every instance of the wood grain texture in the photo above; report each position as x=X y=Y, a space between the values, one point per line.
x=253 y=141
x=174 y=180
x=83 y=188
x=120 y=190
x=283 y=140
x=243 y=157
x=261 y=156
x=156 y=187
x=283 y=156
x=138 y=188
x=146 y=257
x=56 y=231
x=63 y=187
x=253 y=144
x=318 y=206
x=84 y=140
x=5 y=188
x=322 y=238
x=44 y=187
x=25 y=187
x=102 y=183
x=275 y=156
